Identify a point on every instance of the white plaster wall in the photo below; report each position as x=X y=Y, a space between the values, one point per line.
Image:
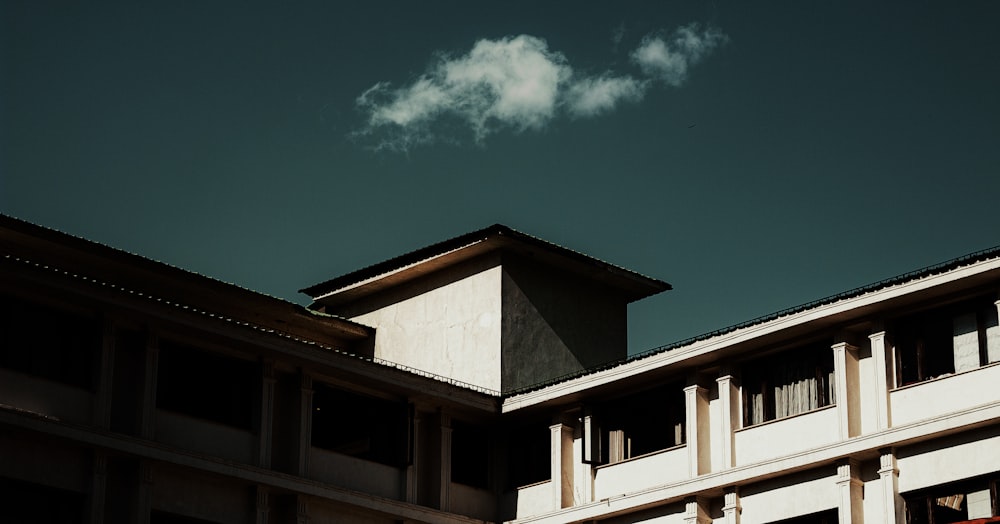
x=866 y=385
x=205 y=436
x=945 y=395
x=531 y=500
x=810 y=495
x=25 y=456
x=874 y=501
x=452 y=330
x=354 y=473
x=787 y=436
x=583 y=479
x=950 y=460
x=669 y=514
x=715 y=427
x=640 y=473
x=45 y=396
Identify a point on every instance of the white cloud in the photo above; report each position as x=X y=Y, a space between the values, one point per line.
x=593 y=96
x=517 y=83
x=669 y=58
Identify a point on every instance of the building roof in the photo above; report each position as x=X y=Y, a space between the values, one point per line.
x=991 y=254
x=497 y=237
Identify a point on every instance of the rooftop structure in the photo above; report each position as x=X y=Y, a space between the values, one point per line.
x=483 y=379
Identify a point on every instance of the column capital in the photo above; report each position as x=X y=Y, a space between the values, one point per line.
x=887 y=463
x=848 y=471
x=844 y=346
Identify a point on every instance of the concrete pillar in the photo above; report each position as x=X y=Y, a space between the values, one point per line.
x=696 y=511
x=263 y=506
x=105 y=372
x=144 y=493
x=729 y=400
x=98 y=487
x=445 y=462
x=413 y=470
x=731 y=506
x=845 y=365
x=561 y=465
x=301 y=510
x=892 y=503
x=266 y=433
x=851 y=505
x=147 y=417
x=305 y=423
x=698 y=430
x=884 y=380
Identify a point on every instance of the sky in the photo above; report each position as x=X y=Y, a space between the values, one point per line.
x=755 y=155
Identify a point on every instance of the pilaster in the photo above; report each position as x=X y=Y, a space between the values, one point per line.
x=697 y=430
x=148 y=411
x=445 y=462
x=144 y=493
x=883 y=383
x=845 y=365
x=561 y=465
x=264 y=443
x=413 y=470
x=98 y=487
x=301 y=510
x=696 y=511
x=105 y=372
x=731 y=506
x=305 y=423
x=729 y=402
x=851 y=505
x=263 y=506
x=892 y=503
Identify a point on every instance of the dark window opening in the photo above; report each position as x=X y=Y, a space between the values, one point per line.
x=954 y=502
x=49 y=343
x=945 y=341
x=361 y=426
x=529 y=455
x=206 y=385
x=27 y=503
x=642 y=423
x=470 y=455
x=162 y=517
x=829 y=516
x=789 y=383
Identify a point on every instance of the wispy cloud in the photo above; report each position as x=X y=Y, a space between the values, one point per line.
x=668 y=58
x=517 y=83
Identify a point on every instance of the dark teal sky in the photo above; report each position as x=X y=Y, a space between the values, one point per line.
x=823 y=146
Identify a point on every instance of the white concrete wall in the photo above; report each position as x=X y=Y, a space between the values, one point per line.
x=205 y=436
x=795 y=496
x=640 y=473
x=948 y=460
x=46 y=397
x=354 y=473
x=533 y=499
x=452 y=330
x=786 y=436
x=945 y=395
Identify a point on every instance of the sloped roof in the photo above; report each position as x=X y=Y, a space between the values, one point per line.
x=935 y=269
x=497 y=237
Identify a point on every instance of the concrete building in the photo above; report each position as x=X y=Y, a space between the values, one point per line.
x=484 y=378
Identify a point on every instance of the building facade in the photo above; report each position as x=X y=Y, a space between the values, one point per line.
x=483 y=379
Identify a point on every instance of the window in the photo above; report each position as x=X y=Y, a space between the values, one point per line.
x=470 y=455
x=789 y=383
x=48 y=343
x=946 y=340
x=528 y=455
x=954 y=502
x=361 y=426
x=635 y=425
x=206 y=385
